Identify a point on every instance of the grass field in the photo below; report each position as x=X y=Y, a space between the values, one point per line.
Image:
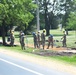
x=71 y=38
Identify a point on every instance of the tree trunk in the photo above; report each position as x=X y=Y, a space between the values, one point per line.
x=66 y=32
x=3 y=33
x=75 y=36
x=47 y=26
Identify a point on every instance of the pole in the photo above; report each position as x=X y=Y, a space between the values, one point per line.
x=37 y=14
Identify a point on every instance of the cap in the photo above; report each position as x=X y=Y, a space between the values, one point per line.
x=33 y=33
x=51 y=35
x=22 y=34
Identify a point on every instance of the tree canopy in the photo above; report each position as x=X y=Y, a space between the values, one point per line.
x=15 y=12
x=72 y=21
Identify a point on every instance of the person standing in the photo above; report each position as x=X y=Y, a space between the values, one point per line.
x=8 y=36
x=43 y=38
x=22 y=40
x=20 y=36
x=35 y=40
x=12 y=38
x=50 y=41
x=38 y=39
x=64 y=39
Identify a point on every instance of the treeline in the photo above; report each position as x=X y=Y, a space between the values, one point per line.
x=22 y=14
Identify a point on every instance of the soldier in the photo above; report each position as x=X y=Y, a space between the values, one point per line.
x=8 y=38
x=22 y=40
x=64 y=39
x=43 y=38
x=38 y=39
x=12 y=38
x=35 y=40
x=50 y=41
x=20 y=36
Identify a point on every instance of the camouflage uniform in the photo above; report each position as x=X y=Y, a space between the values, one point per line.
x=20 y=36
x=8 y=38
x=50 y=41
x=64 y=40
x=22 y=40
x=38 y=39
x=43 y=39
x=35 y=40
x=11 y=38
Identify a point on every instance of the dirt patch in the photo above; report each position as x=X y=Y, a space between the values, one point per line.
x=55 y=48
x=54 y=53
x=73 y=48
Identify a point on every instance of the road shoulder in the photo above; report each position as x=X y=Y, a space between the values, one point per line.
x=50 y=63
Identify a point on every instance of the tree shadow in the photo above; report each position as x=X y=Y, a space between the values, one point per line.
x=8 y=45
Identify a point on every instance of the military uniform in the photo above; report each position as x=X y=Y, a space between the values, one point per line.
x=22 y=40
x=20 y=36
x=38 y=39
x=35 y=40
x=43 y=39
x=50 y=41
x=64 y=40
x=12 y=38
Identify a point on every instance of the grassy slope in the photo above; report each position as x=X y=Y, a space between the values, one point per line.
x=68 y=59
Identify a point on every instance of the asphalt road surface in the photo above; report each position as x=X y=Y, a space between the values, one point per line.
x=10 y=65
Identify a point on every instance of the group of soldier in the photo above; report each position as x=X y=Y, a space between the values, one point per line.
x=38 y=39
x=41 y=39
x=11 y=39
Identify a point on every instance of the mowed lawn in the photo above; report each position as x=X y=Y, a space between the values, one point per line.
x=71 y=37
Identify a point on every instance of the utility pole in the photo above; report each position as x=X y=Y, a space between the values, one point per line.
x=37 y=15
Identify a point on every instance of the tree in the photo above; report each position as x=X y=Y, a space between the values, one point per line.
x=49 y=8
x=72 y=17
x=14 y=12
x=66 y=6
x=72 y=21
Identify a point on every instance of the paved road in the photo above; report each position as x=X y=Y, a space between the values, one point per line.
x=15 y=66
